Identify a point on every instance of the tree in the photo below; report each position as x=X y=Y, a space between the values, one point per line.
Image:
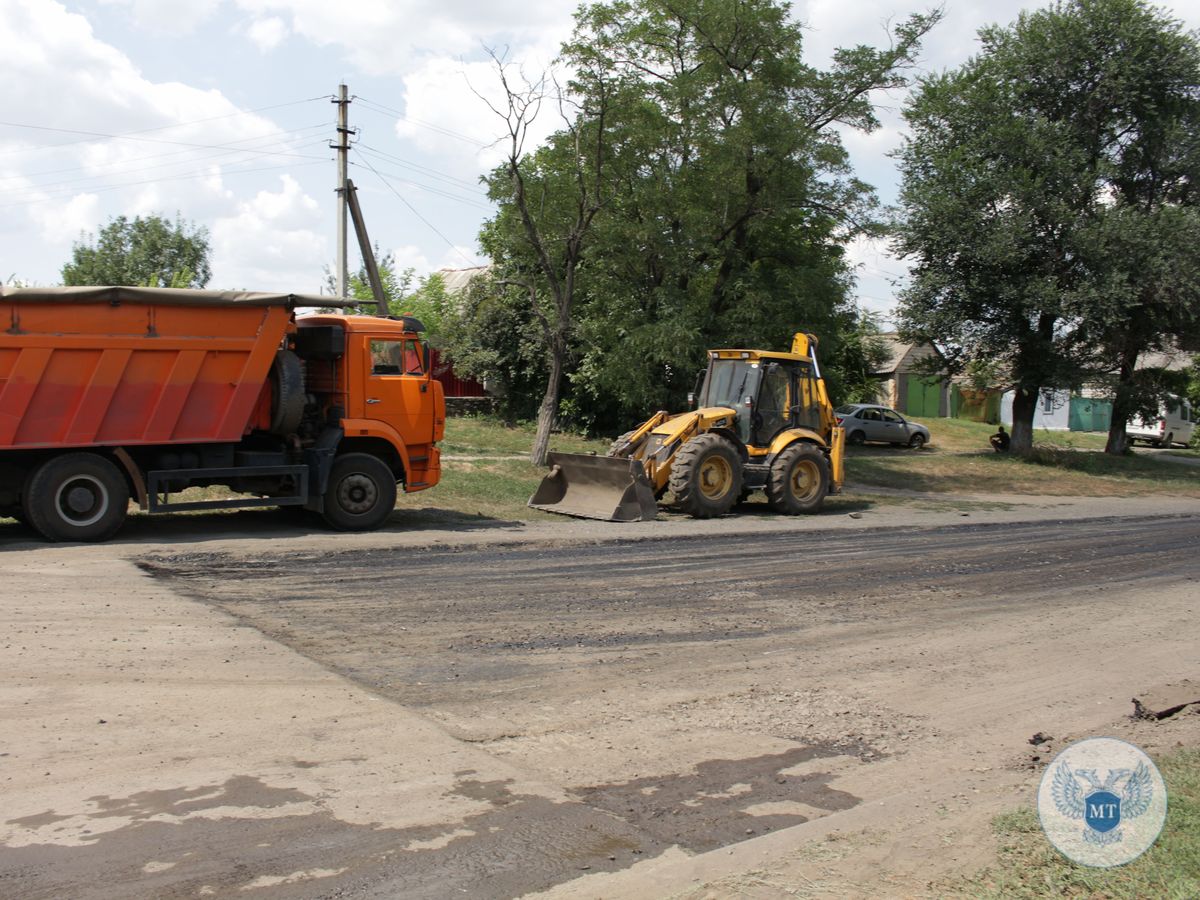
x=549 y=201
x=150 y=252
x=1043 y=195
x=706 y=166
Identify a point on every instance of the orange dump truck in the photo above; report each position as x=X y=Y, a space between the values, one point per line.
x=110 y=393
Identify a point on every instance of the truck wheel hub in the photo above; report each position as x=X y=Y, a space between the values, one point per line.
x=82 y=500
x=357 y=494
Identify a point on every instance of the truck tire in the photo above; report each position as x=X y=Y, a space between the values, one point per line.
x=361 y=493
x=76 y=497
x=799 y=480
x=706 y=476
x=287 y=393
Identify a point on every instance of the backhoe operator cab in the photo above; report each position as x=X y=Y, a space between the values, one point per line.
x=763 y=422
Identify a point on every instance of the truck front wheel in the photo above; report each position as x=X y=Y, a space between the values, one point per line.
x=361 y=493
x=76 y=497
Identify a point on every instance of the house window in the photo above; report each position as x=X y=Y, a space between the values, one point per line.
x=1047 y=403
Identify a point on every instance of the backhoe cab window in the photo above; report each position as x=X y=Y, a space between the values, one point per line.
x=396 y=358
x=729 y=383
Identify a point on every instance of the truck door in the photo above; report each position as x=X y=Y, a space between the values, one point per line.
x=397 y=387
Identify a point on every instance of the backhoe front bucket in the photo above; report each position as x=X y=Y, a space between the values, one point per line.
x=596 y=487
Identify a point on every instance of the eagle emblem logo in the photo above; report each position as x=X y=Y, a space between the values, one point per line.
x=1122 y=795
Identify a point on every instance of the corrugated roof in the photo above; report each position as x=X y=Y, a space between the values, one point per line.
x=896 y=350
x=458 y=280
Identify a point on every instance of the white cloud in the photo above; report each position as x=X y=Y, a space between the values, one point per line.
x=64 y=182
x=389 y=36
x=267 y=34
x=64 y=223
x=167 y=16
x=269 y=239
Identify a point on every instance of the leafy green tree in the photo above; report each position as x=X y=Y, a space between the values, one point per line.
x=150 y=252
x=1047 y=200
x=699 y=196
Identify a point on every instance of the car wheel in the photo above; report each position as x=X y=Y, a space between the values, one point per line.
x=799 y=480
x=361 y=493
x=76 y=497
x=917 y=441
x=706 y=476
x=856 y=438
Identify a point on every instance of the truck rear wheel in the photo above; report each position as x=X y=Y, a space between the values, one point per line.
x=361 y=493
x=799 y=480
x=706 y=476
x=76 y=497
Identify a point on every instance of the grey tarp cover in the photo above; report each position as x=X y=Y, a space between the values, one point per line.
x=166 y=297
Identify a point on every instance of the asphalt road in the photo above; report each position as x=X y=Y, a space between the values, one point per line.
x=670 y=685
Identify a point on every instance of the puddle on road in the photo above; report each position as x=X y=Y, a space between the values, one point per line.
x=520 y=843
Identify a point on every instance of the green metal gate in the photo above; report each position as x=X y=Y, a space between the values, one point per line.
x=923 y=397
x=1089 y=414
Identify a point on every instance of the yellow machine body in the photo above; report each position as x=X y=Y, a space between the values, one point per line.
x=743 y=454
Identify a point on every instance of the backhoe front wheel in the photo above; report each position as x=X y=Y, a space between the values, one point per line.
x=706 y=476
x=799 y=480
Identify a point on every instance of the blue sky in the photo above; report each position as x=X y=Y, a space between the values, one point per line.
x=219 y=110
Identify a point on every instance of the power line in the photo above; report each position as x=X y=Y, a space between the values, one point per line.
x=72 y=185
x=115 y=187
x=437 y=192
x=145 y=140
x=413 y=210
x=424 y=170
x=239 y=155
x=125 y=134
x=387 y=110
x=230 y=144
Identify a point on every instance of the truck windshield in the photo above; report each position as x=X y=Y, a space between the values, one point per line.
x=729 y=382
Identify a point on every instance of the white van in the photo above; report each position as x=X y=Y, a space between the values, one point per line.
x=1174 y=424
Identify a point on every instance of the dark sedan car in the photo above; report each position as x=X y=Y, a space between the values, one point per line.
x=868 y=422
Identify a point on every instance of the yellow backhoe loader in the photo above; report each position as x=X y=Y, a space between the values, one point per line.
x=762 y=421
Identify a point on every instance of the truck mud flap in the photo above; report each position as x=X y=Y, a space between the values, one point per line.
x=596 y=487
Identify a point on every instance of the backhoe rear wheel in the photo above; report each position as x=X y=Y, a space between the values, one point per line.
x=706 y=476
x=799 y=480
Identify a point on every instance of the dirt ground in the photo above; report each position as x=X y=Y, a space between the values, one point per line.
x=754 y=707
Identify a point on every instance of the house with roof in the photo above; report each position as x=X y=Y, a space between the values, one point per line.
x=902 y=385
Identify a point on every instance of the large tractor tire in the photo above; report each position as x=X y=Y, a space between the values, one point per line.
x=706 y=476
x=615 y=445
x=361 y=493
x=287 y=393
x=799 y=480
x=76 y=497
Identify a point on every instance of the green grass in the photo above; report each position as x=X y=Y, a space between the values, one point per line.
x=1049 y=470
x=1029 y=867
x=962 y=435
x=481 y=435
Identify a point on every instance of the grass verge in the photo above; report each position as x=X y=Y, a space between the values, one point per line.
x=1029 y=867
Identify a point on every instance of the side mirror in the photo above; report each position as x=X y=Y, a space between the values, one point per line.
x=425 y=356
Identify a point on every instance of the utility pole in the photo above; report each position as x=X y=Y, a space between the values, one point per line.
x=343 y=150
